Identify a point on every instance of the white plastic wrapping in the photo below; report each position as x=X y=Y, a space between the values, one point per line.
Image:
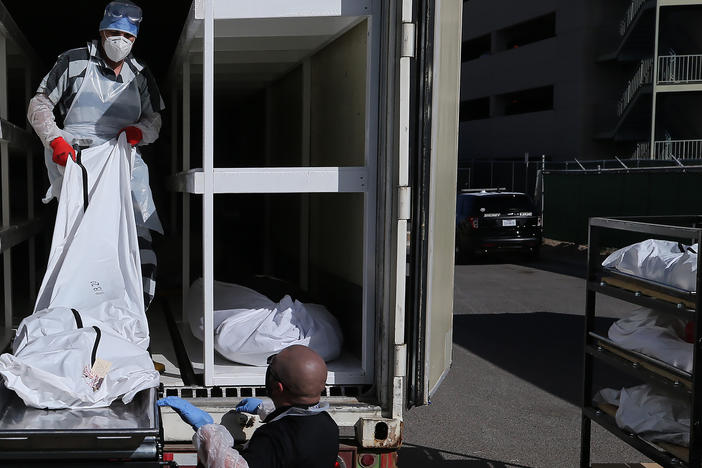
x=142 y=199
x=215 y=449
x=40 y=115
x=90 y=304
x=249 y=327
x=663 y=261
x=651 y=414
x=654 y=334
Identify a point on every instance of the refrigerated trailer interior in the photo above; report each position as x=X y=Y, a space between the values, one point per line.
x=289 y=122
x=311 y=151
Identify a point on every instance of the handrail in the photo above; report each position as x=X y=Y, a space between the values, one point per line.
x=678 y=149
x=643 y=76
x=679 y=69
x=631 y=13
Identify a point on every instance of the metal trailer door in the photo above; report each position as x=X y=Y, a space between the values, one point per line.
x=433 y=162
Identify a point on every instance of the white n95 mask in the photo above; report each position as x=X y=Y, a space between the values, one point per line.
x=117 y=47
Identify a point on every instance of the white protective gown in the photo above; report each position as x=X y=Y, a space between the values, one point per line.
x=100 y=109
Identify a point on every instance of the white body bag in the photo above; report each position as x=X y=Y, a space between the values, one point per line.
x=667 y=262
x=650 y=413
x=86 y=343
x=655 y=334
x=249 y=327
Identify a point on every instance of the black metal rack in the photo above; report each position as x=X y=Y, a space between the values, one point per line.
x=663 y=298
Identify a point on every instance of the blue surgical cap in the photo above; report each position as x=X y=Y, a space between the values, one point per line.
x=121 y=16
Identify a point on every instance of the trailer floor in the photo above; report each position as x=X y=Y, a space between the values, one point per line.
x=162 y=350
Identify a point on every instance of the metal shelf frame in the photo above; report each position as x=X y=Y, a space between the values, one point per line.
x=12 y=42
x=687 y=228
x=308 y=26
x=647 y=448
x=643 y=300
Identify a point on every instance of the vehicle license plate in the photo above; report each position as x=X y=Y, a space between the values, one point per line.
x=509 y=222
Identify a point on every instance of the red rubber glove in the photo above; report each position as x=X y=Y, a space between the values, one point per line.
x=134 y=135
x=61 y=151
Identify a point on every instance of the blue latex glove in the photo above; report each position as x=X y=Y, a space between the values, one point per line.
x=190 y=414
x=248 y=405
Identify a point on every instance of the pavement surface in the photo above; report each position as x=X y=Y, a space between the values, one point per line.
x=512 y=396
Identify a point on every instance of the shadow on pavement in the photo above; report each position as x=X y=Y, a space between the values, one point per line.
x=543 y=348
x=564 y=261
x=416 y=456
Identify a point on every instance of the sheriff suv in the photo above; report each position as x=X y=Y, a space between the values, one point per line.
x=492 y=220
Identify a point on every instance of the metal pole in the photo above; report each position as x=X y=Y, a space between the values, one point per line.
x=208 y=192
x=267 y=203
x=696 y=428
x=543 y=159
x=174 y=152
x=304 y=245
x=5 y=185
x=526 y=171
x=655 y=81
x=590 y=297
x=543 y=188
x=185 y=108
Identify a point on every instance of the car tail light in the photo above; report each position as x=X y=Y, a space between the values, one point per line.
x=539 y=221
x=367 y=460
x=473 y=222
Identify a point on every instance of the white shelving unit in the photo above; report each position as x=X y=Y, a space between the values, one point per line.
x=15 y=52
x=236 y=46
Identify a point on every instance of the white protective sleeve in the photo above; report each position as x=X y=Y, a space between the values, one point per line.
x=41 y=117
x=215 y=448
x=150 y=126
x=265 y=408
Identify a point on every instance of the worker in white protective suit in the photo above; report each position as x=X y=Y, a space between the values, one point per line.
x=98 y=92
x=297 y=431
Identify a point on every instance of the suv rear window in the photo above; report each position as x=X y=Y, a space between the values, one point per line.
x=504 y=204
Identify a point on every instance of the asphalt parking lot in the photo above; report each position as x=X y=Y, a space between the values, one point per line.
x=512 y=396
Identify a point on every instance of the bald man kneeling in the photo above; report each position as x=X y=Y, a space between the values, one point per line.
x=298 y=432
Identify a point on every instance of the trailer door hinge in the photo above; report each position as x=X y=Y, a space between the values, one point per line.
x=404 y=202
x=408 y=40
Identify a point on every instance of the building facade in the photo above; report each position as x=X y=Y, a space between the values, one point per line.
x=675 y=127
x=574 y=79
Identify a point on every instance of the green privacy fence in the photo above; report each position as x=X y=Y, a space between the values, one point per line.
x=571 y=198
